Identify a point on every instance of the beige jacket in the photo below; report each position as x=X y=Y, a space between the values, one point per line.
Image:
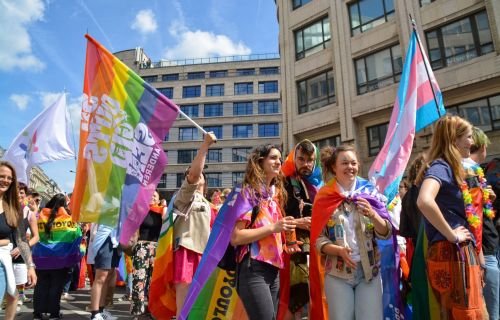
x=192 y=228
x=334 y=233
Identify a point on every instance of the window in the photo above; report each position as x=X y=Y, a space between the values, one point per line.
x=242 y=108
x=188 y=133
x=150 y=79
x=191 y=110
x=191 y=91
x=243 y=88
x=213 y=110
x=215 y=90
x=218 y=74
x=166 y=137
x=245 y=72
x=459 y=41
x=242 y=131
x=316 y=92
x=267 y=107
x=331 y=141
x=185 y=156
x=217 y=130
x=214 y=179
x=424 y=2
x=238 y=178
x=214 y=155
x=376 y=137
x=196 y=75
x=269 y=130
x=299 y=3
x=483 y=113
x=269 y=70
x=312 y=38
x=167 y=92
x=170 y=77
x=241 y=154
x=367 y=14
x=163 y=182
x=268 y=86
x=180 y=179
x=379 y=69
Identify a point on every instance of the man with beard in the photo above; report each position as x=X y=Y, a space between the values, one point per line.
x=303 y=179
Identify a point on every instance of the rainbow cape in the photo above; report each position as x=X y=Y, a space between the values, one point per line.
x=162 y=291
x=207 y=288
x=62 y=249
x=121 y=158
x=326 y=202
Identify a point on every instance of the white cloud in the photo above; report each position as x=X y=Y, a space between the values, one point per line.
x=202 y=44
x=145 y=22
x=15 y=44
x=21 y=100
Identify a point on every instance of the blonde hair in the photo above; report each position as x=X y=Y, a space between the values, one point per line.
x=255 y=177
x=447 y=130
x=10 y=199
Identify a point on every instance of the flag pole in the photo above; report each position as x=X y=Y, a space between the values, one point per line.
x=72 y=128
x=414 y=26
x=192 y=121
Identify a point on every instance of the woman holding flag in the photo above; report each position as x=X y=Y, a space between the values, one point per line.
x=453 y=269
x=258 y=232
x=348 y=215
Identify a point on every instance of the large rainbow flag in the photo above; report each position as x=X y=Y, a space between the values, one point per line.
x=121 y=158
x=207 y=287
x=62 y=248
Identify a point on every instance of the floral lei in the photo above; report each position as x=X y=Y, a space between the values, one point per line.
x=488 y=210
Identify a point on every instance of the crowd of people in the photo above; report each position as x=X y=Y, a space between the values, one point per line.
x=309 y=242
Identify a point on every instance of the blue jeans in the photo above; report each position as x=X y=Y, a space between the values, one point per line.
x=492 y=286
x=3 y=281
x=354 y=299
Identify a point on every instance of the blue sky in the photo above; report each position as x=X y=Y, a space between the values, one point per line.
x=42 y=47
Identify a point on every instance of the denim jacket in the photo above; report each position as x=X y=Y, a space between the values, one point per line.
x=334 y=233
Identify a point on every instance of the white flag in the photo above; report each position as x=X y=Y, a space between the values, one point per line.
x=45 y=139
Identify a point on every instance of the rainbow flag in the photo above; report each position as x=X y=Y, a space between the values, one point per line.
x=162 y=291
x=62 y=248
x=121 y=158
x=418 y=104
x=236 y=204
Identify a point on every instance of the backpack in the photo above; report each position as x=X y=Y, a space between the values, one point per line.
x=228 y=261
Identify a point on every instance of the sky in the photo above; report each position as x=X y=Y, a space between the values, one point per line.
x=42 y=48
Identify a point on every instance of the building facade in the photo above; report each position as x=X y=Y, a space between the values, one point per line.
x=238 y=98
x=341 y=62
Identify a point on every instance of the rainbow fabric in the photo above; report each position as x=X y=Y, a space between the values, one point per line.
x=62 y=249
x=162 y=291
x=235 y=205
x=121 y=158
x=289 y=169
x=418 y=104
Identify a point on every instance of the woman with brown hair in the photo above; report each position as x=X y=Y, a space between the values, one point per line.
x=259 y=233
x=10 y=216
x=453 y=268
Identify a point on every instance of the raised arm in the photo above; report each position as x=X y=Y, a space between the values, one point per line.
x=199 y=161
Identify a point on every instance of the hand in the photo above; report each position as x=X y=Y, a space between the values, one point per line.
x=210 y=138
x=31 y=278
x=15 y=253
x=365 y=208
x=303 y=223
x=345 y=254
x=492 y=194
x=285 y=224
x=33 y=205
x=461 y=235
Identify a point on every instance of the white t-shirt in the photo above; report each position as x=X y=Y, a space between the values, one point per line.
x=349 y=227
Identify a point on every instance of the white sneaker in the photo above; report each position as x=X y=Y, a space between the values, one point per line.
x=107 y=316
x=67 y=297
x=98 y=317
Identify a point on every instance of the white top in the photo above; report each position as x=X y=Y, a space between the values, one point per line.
x=350 y=236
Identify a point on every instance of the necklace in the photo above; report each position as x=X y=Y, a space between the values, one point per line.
x=488 y=210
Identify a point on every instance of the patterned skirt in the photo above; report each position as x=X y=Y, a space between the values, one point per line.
x=455 y=277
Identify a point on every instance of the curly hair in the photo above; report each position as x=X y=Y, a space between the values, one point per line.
x=11 y=205
x=255 y=177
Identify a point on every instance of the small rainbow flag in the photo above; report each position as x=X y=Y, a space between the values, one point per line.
x=62 y=248
x=121 y=158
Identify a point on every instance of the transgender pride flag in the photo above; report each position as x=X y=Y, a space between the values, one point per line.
x=418 y=104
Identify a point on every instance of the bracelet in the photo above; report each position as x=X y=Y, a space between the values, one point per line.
x=32 y=265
